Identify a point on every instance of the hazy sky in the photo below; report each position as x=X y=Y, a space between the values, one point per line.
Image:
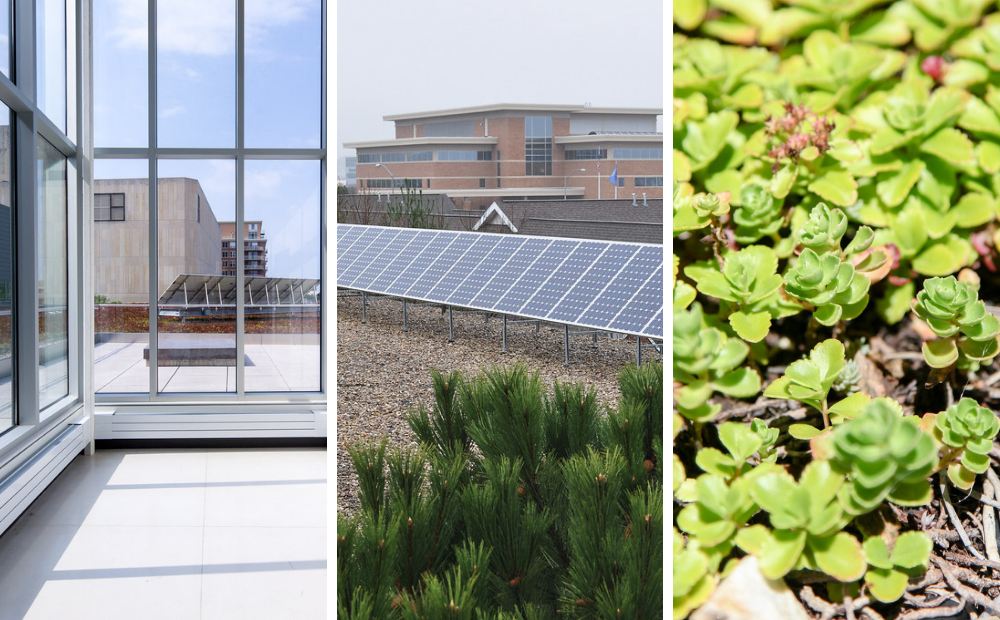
x=197 y=107
x=398 y=56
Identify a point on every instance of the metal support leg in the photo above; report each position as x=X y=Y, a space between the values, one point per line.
x=538 y=327
x=504 y=332
x=638 y=350
x=451 y=326
x=364 y=308
x=566 y=340
x=406 y=326
x=595 y=340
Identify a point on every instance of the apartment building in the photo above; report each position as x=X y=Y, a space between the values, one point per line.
x=518 y=151
x=254 y=249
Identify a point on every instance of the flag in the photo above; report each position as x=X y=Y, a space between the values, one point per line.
x=614 y=176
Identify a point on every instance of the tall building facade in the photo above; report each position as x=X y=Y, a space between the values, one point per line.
x=188 y=236
x=518 y=151
x=254 y=249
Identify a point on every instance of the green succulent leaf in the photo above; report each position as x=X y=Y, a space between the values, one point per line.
x=741 y=442
x=896 y=186
x=886 y=585
x=837 y=186
x=752 y=326
x=839 y=556
x=940 y=353
x=912 y=549
x=779 y=554
x=950 y=145
x=877 y=553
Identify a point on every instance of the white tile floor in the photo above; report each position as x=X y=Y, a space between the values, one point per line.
x=173 y=534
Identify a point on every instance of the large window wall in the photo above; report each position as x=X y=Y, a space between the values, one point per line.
x=43 y=145
x=230 y=131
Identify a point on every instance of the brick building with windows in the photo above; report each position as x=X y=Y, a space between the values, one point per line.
x=254 y=249
x=476 y=155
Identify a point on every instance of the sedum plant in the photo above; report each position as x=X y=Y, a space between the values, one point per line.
x=694 y=580
x=831 y=287
x=953 y=311
x=809 y=381
x=966 y=431
x=884 y=455
x=742 y=442
x=889 y=573
x=747 y=284
x=806 y=521
x=706 y=360
x=759 y=214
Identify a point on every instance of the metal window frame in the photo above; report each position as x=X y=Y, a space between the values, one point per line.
x=246 y=401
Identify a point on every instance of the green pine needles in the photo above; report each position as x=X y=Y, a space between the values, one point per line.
x=518 y=504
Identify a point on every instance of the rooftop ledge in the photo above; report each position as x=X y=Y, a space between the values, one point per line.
x=420 y=142
x=521 y=108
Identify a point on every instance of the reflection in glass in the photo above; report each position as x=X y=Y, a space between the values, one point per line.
x=6 y=276
x=52 y=275
x=196 y=73
x=51 y=46
x=281 y=287
x=121 y=275
x=120 y=73
x=283 y=72
x=196 y=343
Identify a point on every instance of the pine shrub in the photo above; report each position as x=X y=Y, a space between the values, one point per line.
x=518 y=505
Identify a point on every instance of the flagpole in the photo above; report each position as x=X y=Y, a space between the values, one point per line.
x=598 y=177
x=616 y=180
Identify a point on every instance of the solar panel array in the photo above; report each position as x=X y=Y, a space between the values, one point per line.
x=597 y=284
x=200 y=290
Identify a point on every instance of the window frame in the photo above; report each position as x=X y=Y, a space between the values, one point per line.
x=153 y=153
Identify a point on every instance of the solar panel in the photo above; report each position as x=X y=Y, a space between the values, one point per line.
x=504 y=278
x=369 y=257
x=498 y=257
x=600 y=285
x=206 y=290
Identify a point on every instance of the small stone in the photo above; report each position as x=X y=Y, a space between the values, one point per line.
x=746 y=594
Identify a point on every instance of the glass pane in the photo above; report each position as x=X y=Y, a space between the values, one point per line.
x=121 y=276
x=196 y=73
x=197 y=325
x=281 y=288
x=283 y=73
x=6 y=275
x=5 y=38
x=51 y=45
x=52 y=283
x=121 y=32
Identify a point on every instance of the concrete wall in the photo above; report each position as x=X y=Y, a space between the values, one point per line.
x=121 y=249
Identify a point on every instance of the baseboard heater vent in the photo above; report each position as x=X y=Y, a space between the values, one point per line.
x=119 y=425
x=27 y=482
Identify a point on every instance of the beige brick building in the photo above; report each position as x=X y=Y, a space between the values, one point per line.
x=189 y=236
x=516 y=151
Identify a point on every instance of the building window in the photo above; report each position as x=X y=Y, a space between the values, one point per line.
x=109 y=207
x=621 y=181
x=450 y=129
x=638 y=153
x=649 y=181
x=198 y=209
x=482 y=182
x=387 y=183
x=369 y=158
x=420 y=156
x=466 y=155
x=537 y=145
x=586 y=153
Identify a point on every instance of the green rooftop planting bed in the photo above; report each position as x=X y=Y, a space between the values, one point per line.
x=836 y=191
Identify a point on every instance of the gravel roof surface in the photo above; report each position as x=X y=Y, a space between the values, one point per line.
x=383 y=372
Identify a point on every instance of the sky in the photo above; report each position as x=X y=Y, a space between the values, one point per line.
x=196 y=86
x=399 y=56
